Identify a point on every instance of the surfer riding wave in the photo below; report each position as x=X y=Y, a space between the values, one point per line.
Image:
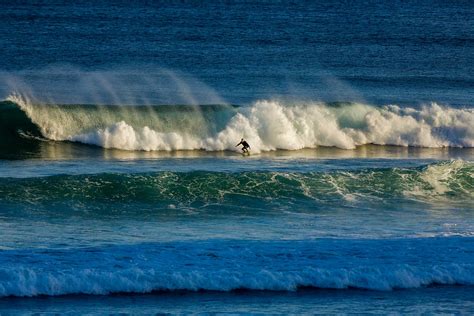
x=245 y=146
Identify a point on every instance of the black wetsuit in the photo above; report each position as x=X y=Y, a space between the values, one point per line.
x=245 y=145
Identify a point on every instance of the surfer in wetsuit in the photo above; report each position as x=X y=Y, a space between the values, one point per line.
x=246 y=146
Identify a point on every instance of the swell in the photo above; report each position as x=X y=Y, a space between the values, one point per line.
x=451 y=181
x=226 y=265
x=267 y=125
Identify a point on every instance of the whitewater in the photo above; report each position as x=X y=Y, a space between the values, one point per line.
x=268 y=125
x=226 y=265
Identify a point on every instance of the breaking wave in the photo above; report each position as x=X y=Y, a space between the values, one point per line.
x=226 y=265
x=267 y=125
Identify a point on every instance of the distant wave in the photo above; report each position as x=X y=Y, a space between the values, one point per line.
x=446 y=181
x=267 y=125
x=225 y=265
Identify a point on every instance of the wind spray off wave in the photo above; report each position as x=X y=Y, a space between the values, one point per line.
x=268 y=125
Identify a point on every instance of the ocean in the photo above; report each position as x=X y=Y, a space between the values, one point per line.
x=122 y=190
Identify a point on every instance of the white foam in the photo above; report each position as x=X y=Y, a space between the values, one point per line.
x=228 y=265
x=31 y=282
x=267 y=125
x=438 y=180
x=123 y=136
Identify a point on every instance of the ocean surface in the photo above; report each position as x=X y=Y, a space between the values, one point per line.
x=122 y=191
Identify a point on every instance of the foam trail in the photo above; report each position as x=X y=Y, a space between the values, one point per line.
x=267 y=125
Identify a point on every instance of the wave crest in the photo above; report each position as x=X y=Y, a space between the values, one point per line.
x=267 y=125
x=448 y=181
x=225 y=265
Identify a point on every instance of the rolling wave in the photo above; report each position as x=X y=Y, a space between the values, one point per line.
x=267 y=125
x=226 y=265
x=448 y=181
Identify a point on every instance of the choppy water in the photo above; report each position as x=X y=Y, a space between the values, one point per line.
x=122 y=191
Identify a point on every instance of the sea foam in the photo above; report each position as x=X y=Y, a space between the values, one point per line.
x=225 y=265
x=267 y=125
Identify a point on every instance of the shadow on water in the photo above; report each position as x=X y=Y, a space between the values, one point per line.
x=436 y=299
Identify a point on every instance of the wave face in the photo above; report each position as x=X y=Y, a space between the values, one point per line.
x=225 y=265
x=267 y=125
x=451 y=182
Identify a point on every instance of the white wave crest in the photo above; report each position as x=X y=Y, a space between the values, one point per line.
x=31 y=282
x=267 y=125
x=123 y=136
x=438 y=180
x=225 y=265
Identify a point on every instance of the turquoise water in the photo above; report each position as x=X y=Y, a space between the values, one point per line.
x=226 y=222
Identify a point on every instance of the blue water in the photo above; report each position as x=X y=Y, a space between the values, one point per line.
x=122 y=191
x=380 y=52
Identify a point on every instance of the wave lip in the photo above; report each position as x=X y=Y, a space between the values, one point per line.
x=267 y=125
x=226 y=265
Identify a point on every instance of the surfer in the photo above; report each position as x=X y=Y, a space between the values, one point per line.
x=246 y=146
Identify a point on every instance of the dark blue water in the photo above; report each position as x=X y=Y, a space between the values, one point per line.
x=122 y=191
x=376 y=51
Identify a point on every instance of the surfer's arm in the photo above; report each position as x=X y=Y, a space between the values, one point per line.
x=238 y=144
